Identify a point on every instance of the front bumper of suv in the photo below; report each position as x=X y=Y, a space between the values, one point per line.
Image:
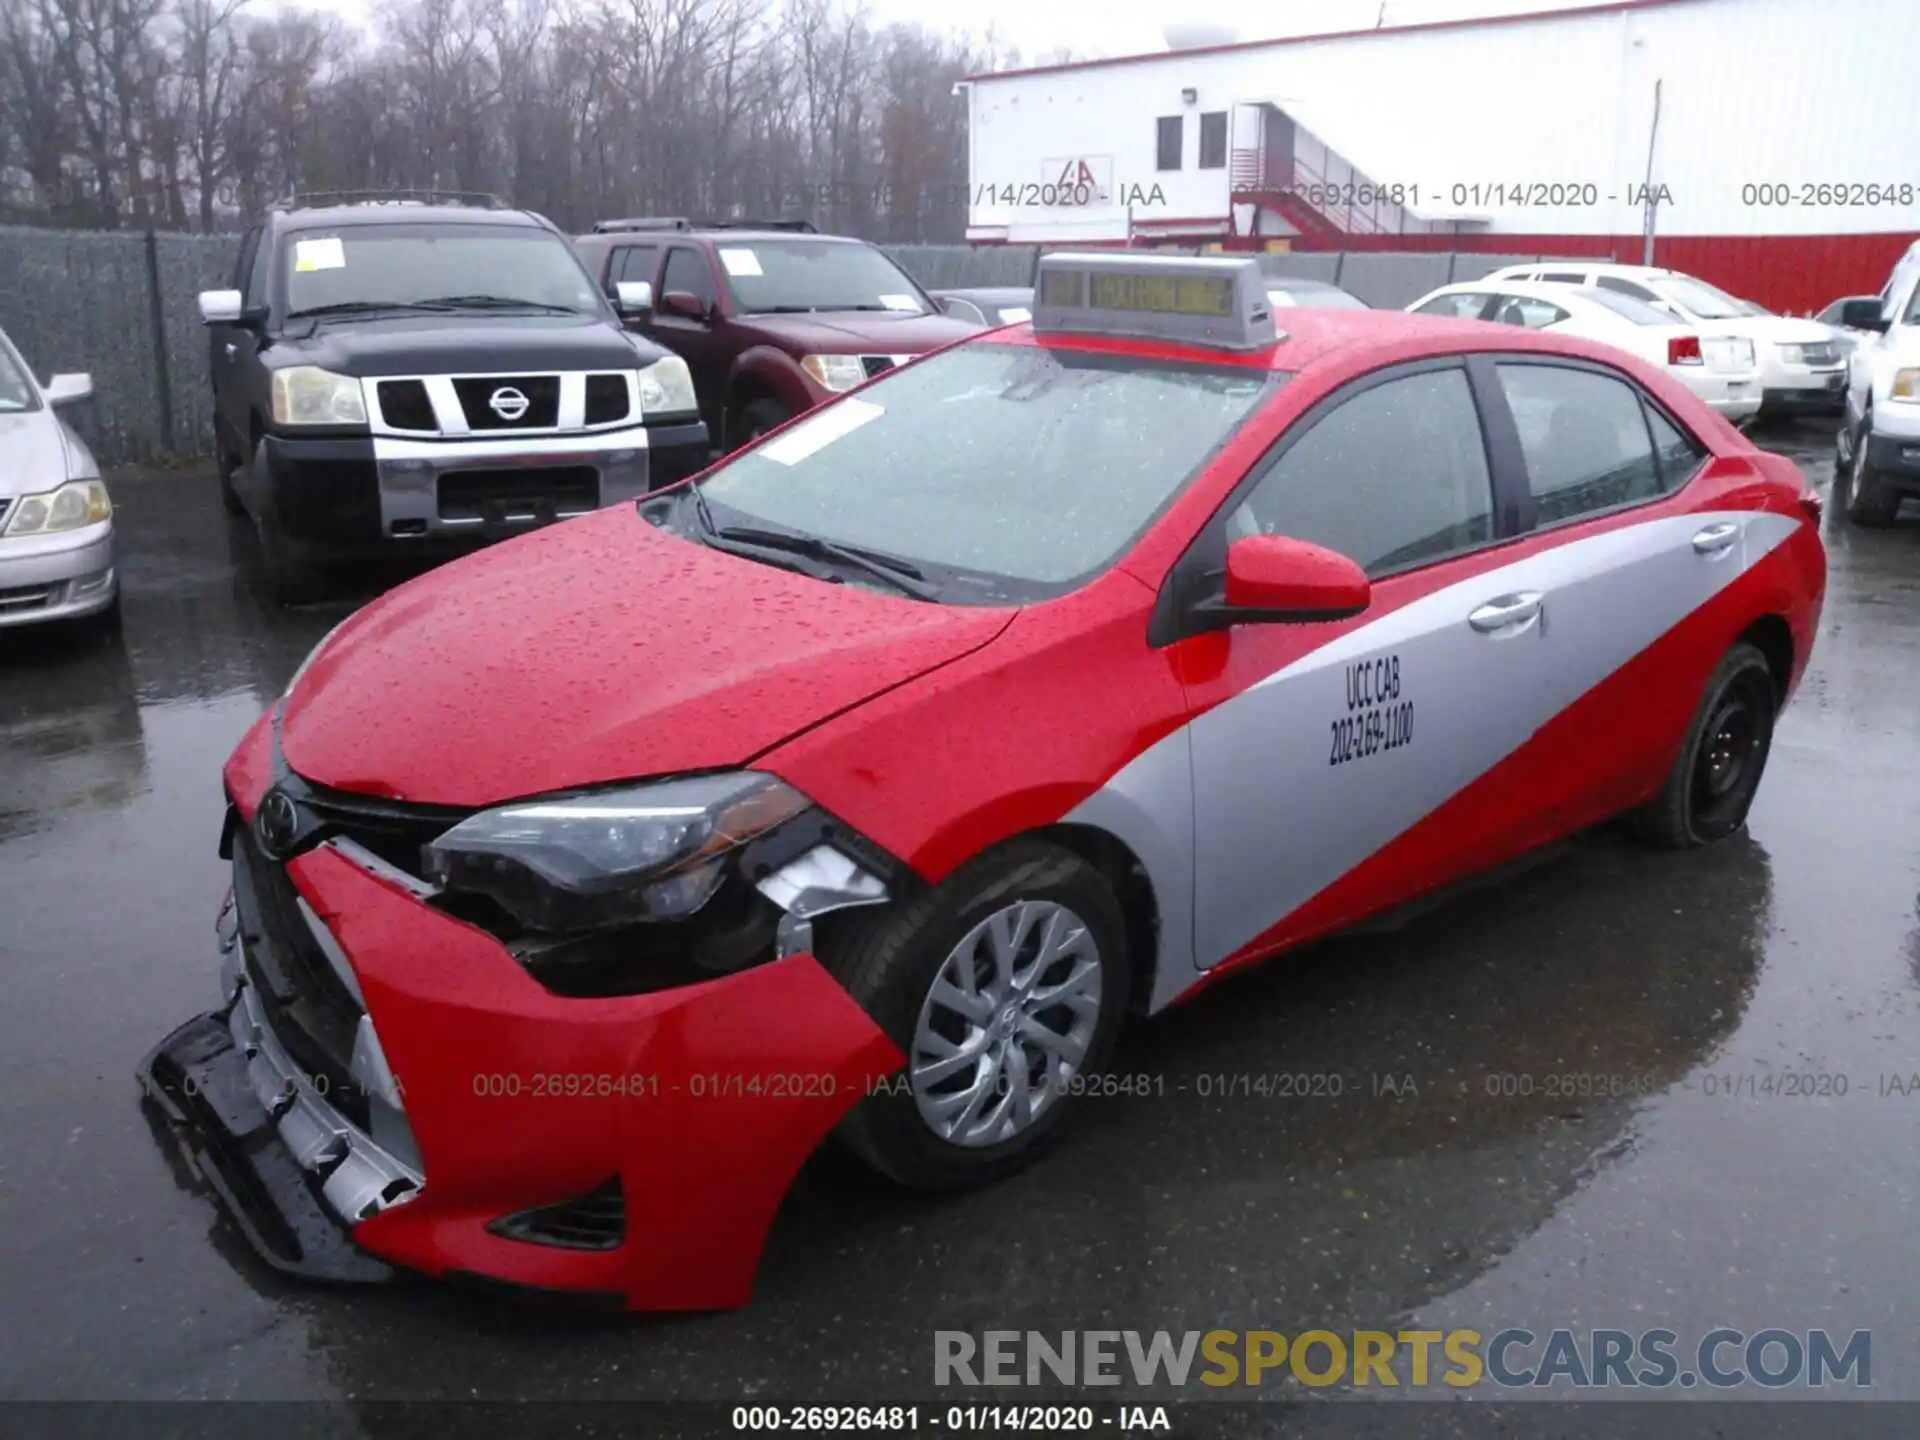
x=635 y=1146
x=372 y=493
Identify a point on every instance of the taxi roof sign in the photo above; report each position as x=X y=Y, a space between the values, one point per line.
x=1217 y=302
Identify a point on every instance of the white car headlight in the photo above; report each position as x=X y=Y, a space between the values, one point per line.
x=639 y=852
x=308 y=395
x=835 y=372
x=73 y=505
x=1906 y=385
x=666 y=387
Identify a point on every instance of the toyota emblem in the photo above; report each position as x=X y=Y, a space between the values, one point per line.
x=277 y=823
x=508 y=403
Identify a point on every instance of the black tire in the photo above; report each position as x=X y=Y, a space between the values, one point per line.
x=1718 y=770
x=889 y=959
x=292 y=579
x=1871 y=502
x=107 y=621
x=757 y=419
x=228 y=468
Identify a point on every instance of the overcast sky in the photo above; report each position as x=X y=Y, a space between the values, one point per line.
x=1113 y=27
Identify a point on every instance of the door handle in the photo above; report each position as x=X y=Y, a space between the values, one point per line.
x=232 y=349
x=1716 y=539
x=1507 y=612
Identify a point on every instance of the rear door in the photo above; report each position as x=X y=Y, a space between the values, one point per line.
x=1316 y=747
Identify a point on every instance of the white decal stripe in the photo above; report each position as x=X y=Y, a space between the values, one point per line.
x=1274 y=823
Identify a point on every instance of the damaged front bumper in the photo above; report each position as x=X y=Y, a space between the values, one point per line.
x=636 y=1146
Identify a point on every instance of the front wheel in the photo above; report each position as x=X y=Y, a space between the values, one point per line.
x=1871 y=502
x=1714 y=778
x=1004 y=987
x=292 y=579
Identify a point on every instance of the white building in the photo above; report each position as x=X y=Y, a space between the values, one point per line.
x=1778 y=141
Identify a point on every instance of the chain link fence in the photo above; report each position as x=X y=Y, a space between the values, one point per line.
x=123 y=307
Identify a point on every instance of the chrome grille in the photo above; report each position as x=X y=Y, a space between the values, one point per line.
x=509 y=402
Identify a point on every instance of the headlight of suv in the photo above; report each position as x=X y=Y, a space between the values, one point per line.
x=666 y=387
x=73 y=505
x=308 y=395
x=1906 y=385
x=640 y=852
x=835 y=372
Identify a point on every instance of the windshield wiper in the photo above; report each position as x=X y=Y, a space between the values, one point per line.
x=491 y=302
x=356 y=307
x=902 y=575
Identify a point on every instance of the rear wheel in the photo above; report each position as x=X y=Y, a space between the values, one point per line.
x=1871 y=502
x=292 y=579
x=1005 y=988
x=1714 y=778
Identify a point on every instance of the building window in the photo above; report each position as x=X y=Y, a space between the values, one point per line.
x=1173 y=136
x=1213 y=141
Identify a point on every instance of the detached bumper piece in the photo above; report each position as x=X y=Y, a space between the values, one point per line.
x=198 y=1078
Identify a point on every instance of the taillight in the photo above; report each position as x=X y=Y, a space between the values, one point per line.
x=1684 y=350
x=1810 y=505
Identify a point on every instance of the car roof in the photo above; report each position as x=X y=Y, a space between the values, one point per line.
x=992 y=294
x=1526 y=289
x=1298 y=282
x=334 y=217
x=1349 y=341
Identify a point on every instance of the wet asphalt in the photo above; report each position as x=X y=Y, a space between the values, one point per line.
x=1423 y=1195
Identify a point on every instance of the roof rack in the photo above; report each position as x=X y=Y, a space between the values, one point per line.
x=312 y=199
x=612 y=227
x=680 y=222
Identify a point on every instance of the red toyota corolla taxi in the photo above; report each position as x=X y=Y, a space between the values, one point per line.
x=582 y=887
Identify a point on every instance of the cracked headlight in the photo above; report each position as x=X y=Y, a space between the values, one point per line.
x=308 y=395
x=652 y=851
x=666 y=388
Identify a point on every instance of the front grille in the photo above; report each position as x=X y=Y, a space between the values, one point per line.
x=28 y=597
x=390 y=829
x=876 y=364
x=607 y=399
x=404 y=406
x=594 y=1221
x=309 y=1009
x=478 y=394
x=497 y=496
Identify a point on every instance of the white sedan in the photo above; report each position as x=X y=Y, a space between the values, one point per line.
x=1803 y=363
x=1720 y=368
x=56 y=524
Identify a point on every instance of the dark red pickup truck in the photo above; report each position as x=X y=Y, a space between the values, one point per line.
x=771 y=317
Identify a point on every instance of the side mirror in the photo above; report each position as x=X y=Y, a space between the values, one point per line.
x=1863 y=315
x=1273 y=578
x=69 y=390
x=683 y=304
x=220 y=307
x=633 y=297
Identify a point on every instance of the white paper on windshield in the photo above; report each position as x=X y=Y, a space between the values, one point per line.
x=741 y=262
x=813 y=435
x=327 y=254
x=899 y=302
x=1015 y=315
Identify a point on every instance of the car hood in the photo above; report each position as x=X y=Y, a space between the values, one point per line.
x=33 y=452
x=597 y=650
x=1770 y=329
x=861 y=332
x=474 y=344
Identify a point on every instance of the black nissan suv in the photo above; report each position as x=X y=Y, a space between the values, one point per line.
x=428 y=373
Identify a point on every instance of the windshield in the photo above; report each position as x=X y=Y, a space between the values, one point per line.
x=1638 y=311
x=410 y=264
x=16 y=389
x=1697 y=297
x=1008 y=473
x=1317 y=299
x=794 y=275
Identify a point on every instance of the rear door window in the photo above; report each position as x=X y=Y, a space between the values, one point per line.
x=1585 y=438
x=1466 y=306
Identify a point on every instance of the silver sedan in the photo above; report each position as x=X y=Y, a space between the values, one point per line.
x=56 y=522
